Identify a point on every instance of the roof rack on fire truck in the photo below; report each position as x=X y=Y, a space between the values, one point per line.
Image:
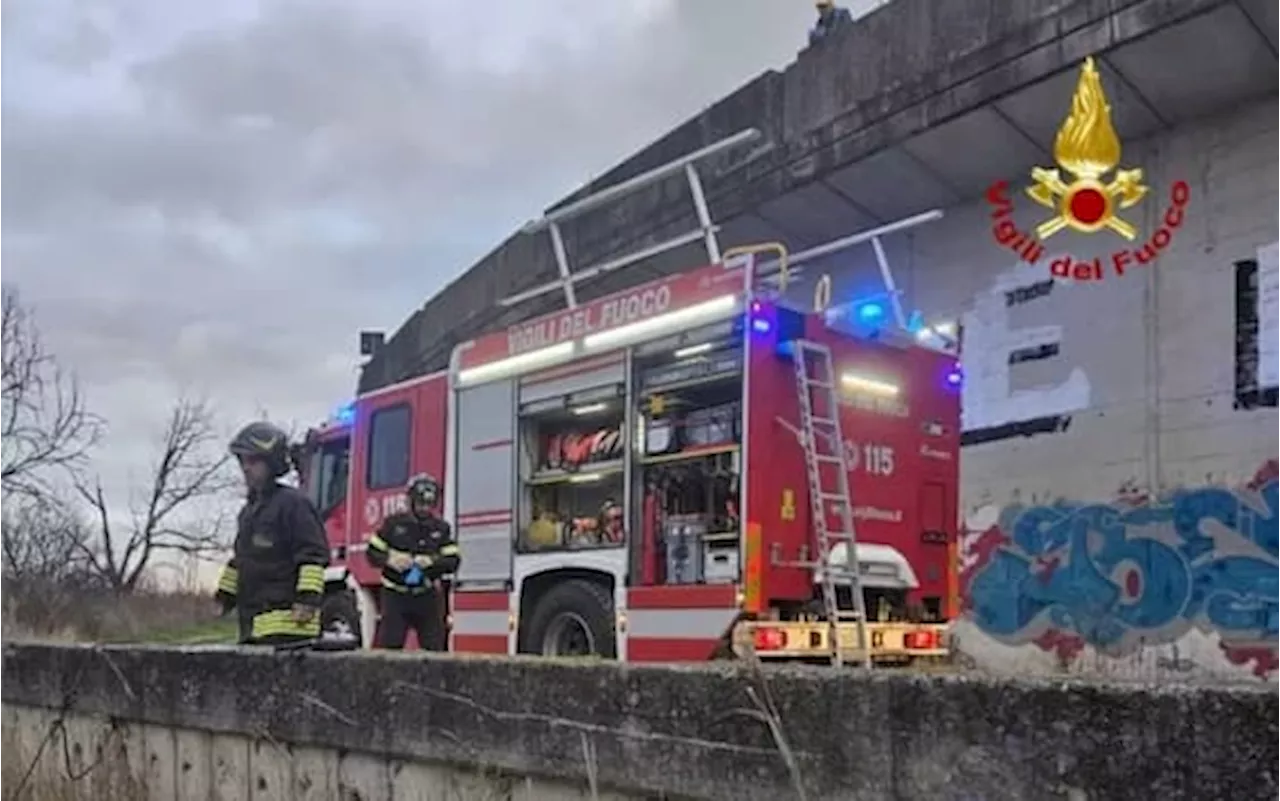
x=706 y=230
x=780 y=271
x=774 y=271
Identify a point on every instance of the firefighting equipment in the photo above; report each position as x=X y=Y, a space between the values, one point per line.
x=611 y=526
x=575 y=449
x=263 y=440
x=544 y=532
x=423 y=491
x=659 y=435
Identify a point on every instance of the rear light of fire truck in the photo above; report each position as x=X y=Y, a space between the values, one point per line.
x=921 y=640
x=770 y=639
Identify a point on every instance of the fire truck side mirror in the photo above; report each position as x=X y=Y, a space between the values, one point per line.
x=298 y=456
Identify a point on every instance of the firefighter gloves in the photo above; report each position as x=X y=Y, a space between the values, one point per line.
x=399 y=560
x=304 y=613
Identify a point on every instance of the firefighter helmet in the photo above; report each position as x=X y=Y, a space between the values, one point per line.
x=423 y=488
x=265 y=441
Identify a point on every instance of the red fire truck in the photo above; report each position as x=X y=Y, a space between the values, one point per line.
x=685 y=469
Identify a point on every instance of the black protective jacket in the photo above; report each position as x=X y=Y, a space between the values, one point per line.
x=281 y=553
x=406 y=533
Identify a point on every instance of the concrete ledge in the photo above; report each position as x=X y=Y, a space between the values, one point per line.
x=691 y=732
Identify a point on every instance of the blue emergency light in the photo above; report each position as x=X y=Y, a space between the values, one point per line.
x=870 y=313
x=955 y=376
x=345 y=414
x=760 y=322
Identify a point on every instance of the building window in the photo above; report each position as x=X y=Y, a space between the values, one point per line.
x=389 y=431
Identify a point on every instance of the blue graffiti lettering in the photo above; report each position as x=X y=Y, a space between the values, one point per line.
x=1119 y=576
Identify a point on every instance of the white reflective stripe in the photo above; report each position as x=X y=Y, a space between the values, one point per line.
x=481 y=519
x=488 y=622
x=338 y=574
x=683 y=624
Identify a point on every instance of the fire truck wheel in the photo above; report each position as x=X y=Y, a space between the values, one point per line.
x=573 y=619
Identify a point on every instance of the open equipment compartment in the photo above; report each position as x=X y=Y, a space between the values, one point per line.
x=687 y=402
x=571 y=470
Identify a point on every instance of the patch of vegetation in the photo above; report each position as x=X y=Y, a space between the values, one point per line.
x=211 y=632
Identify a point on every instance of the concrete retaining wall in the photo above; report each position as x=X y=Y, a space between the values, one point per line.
x=229 y=723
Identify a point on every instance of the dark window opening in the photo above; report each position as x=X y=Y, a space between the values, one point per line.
x=327 y=474
x=1250 y=392
x=389 y=431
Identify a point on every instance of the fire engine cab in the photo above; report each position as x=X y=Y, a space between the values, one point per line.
x=687 y=469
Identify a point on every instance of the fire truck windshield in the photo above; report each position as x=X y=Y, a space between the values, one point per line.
x=327 y=474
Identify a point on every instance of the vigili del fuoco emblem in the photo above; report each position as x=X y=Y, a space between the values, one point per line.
x=1086 y=192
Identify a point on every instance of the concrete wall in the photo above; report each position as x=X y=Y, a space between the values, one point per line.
x=915 y=51
x=1125 y=391
x=227 y=724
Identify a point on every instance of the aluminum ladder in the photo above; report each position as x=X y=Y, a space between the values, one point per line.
x=829 y=495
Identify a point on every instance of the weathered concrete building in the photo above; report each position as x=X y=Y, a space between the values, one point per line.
x=1136 y=402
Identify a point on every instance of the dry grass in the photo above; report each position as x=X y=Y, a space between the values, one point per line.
x=72 y=614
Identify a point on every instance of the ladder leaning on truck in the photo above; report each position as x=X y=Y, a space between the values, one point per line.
x=625 y=476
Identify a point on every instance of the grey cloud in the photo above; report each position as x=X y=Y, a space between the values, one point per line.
x=89 y=163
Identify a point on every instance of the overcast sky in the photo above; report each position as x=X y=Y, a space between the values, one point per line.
x=212 y=198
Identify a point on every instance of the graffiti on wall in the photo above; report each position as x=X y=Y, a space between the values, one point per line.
x=1120 y=576
x=1257 y=310
x=1017 y=383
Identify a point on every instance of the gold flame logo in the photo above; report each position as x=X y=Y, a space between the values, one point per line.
x=1088 y=148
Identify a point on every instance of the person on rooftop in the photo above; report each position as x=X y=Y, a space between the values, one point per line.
x=831 y=18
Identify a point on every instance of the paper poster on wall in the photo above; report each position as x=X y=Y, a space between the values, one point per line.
x=1268 y=327
x=998 y=349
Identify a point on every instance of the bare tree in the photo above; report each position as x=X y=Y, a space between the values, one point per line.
x=175 y=514
x=45 y=426
x=41 y=540
x=44 y=573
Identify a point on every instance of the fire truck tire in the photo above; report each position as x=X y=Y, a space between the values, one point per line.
x=573 y=619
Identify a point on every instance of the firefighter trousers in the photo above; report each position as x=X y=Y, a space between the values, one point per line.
x=422 y=612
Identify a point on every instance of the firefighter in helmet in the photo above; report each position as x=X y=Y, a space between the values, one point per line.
x=830 y=19
x=275 y=579
x=415 y=551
